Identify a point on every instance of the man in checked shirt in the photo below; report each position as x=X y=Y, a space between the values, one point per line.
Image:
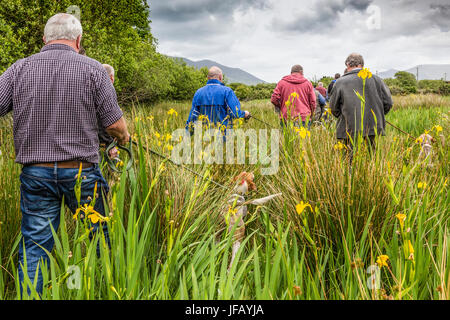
x=56 y=97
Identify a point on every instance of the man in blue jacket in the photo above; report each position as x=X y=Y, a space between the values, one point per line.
x=321 y=102
x=215 y=103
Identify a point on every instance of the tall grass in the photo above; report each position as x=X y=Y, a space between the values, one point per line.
x=169 y=240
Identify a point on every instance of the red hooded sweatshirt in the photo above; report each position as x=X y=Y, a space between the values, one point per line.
x=294 y=95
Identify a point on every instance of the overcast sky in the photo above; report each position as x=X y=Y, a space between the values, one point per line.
x=267 y=37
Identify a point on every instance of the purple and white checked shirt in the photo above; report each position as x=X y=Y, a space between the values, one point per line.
x=56 y=97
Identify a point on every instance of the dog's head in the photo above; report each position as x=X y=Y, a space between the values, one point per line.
x=244 y=182
x=426 y=139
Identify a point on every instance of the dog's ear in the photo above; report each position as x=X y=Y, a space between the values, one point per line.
x=249 y=178
x=240 y=176
x=251 y=186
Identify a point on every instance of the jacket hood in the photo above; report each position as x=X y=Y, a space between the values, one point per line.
x=295 y=78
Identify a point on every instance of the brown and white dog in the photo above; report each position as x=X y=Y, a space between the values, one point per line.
x=425 y=146
x=237 y=208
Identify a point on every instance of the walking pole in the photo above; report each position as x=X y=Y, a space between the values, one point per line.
x=400 y=130
x=180 y=165
x=262 y=121
x=128 y=150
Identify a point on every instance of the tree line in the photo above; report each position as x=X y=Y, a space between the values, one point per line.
x=403 y=83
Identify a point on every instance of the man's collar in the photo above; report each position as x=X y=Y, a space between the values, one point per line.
x=214 y=81
x=57 y=46
x=353 y=71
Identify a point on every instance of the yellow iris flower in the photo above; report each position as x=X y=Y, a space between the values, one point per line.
x=302 y=132
x=401 y=219
x=365 y=74
x=410 y=247
x=339 y=146
x=172 y=112
x=382 y=260
x=438 y=128
x=169 y=147
x=301 y=207
x=90 y=213
x=421 y=185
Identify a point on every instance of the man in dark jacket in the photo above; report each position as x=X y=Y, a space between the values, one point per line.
x=331 y=85
x=347 y=107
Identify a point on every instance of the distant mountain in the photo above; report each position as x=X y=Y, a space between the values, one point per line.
x=233 y=75
x=425 y=71
x=388 y=74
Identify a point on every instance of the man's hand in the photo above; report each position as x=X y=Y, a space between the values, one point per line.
x=119 y=131
x=247 y=115
x=125 y=140
x=113 y=153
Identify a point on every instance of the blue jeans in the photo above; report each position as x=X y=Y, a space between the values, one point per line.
x=41 y=193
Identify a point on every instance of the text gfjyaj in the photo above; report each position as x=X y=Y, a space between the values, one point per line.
x=233 y=310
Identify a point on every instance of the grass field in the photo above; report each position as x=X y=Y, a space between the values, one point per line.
x=381 y=232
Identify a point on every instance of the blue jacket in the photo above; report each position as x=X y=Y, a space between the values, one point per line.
x=322 y=100
x=217 y=102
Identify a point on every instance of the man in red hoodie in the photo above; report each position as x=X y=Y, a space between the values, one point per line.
x=294 y=97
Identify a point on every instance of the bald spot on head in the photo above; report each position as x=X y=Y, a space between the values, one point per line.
x=215 y=73
x=297 y=69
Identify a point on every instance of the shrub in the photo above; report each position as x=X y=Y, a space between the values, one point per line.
x=116 y=32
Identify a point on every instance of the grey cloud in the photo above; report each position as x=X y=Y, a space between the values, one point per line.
x=183 y=11
x=360 y=5
x=410 y=18
x=440 y=16
x=412 y=32
x=184 y=20
x=323 y=15
x=434 y=13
